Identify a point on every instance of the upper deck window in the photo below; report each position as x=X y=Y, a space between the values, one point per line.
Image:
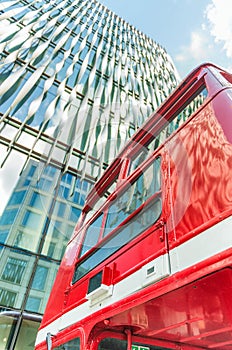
x=138 y=192
x=130 y=214
x=190 y=107
x=92 y=235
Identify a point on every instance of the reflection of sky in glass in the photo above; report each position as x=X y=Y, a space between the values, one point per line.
x=9 y=176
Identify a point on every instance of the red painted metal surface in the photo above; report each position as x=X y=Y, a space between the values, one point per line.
x=189 y=307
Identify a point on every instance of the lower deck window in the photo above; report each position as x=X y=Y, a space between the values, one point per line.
x=118 y=344
x=73 y=344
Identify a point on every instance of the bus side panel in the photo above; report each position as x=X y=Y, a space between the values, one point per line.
x=59 y=292
x=144 y=248
x=201 y=183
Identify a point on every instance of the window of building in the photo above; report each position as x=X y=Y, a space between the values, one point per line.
x=18 y=239
x=5 y=71
x=9 y=96
x=44 y=184
x=50 y=171
x=64 y=192
x=31 y=171
x=8 y=216
x=48 y=32
x=14 y=269
x=55 y=226
x=27 y=333
x=26 y=54
x=7 y=323
x=40 y=278
x=21 y=109
x=17 y=197
x=76 y=48
x=51 y=249
x=38 y=201
x=69 y=230
x=33 y=304
x=39 y=25
x=26 y=239
x=3 y=235
x=31 y=220
x=7 y=297
x=61 y=74
x=74 y=214
x=60 y=208
x=51 y=68
x=79 y=197
x=67 y=178
x=48 y=98
x=84 y=53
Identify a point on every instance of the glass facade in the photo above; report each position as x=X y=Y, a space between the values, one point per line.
x=76 y=81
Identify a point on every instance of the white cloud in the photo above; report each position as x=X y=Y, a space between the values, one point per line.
x=219 y=16
x=197 y=49
x=210 y=42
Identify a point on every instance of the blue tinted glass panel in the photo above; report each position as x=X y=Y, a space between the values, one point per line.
x=7 y=297
x=40 y=278
x=33 y=304
x=31 y=220
x=3 y=236
x=8 y=217
x=17 y=197
x=38 y=201
x=74 y=214
x=32 y=170
x=14 y=270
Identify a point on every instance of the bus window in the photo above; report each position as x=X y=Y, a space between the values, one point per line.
x=139 y=223
x=147 y=184
x=73 y=344
x=118 y=344
x=136 y=197
x=190 y=107
x=92 y=235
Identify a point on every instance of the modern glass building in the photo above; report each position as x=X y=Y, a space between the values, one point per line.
x=76 y=81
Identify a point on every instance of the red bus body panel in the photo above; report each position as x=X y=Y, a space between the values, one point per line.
x=189 y=306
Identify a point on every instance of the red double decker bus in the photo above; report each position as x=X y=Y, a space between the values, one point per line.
x=149 y=265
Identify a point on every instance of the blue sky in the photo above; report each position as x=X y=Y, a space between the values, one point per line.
x=192 y=31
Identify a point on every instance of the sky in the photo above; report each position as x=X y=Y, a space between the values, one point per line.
x=191 y=31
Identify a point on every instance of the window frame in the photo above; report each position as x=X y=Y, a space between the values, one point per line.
x=135 y=339
x=103 y=240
